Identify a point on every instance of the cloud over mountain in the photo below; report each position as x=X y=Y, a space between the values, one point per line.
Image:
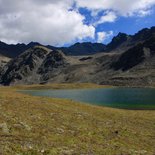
x=47 y=22
x=102 y=36
x=60 y=22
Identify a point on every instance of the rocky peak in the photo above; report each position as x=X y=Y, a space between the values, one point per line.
x=32 y=44
x=144 y=34
x=117 y=40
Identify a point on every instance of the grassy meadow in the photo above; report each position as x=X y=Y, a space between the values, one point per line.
x=46 y=126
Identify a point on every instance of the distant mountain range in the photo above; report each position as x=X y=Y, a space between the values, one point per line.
x=85 y=48
x=120 y=42
x=128 y=60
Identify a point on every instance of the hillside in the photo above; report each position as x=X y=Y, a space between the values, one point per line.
x=39 y=125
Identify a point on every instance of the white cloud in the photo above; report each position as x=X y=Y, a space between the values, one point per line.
x=55 y=22
x=108 y=17
x=143 y=13
x=121 y=7
x=48 y=22
x=102 y=36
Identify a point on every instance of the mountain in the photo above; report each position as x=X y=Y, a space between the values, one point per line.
x=117 y=41
x=126 y=61
x=85 y=48
x=144 y=34
x=32 y=65
x=135 y=67
x=123 y=42
x=12 y=51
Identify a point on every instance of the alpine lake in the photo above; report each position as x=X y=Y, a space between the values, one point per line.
x=122 y=98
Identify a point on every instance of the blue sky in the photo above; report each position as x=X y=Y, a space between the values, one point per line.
x=65 y=22
x=128 y=25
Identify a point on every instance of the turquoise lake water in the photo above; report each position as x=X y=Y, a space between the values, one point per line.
x=123 y=98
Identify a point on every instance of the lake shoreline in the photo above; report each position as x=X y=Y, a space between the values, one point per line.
x=71 y=86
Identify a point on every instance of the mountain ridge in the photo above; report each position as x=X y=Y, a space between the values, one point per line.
x=119 y=43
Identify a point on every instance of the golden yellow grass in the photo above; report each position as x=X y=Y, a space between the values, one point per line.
x=61 y=86
x=37 y=125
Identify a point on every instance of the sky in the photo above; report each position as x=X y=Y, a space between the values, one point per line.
x=64 y=22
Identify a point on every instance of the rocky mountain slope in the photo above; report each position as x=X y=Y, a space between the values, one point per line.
x=127 y=61
x=3 y=61
x=122 y=42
